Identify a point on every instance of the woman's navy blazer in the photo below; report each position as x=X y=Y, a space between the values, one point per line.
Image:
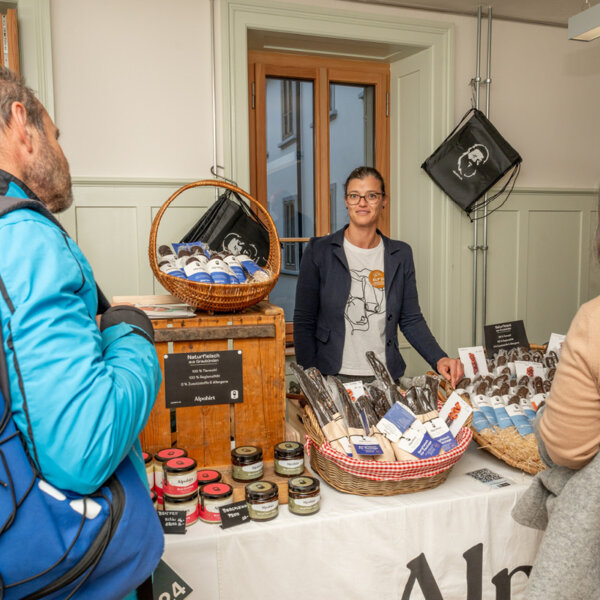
x=321 y=295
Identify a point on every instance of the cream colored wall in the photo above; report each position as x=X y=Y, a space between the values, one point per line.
x=133 y=100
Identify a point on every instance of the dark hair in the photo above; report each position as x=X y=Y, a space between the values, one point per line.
x=13 y=89
x=361 y=173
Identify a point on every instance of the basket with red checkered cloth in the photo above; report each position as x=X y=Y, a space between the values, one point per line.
x=377 y=478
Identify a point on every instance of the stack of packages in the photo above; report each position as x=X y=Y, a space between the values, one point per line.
x=380 y=421
x=196 y=262
x=505 y=402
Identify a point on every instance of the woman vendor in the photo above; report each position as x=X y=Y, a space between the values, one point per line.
x=355 y=288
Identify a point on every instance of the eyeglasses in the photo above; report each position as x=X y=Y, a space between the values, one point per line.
x=371 y=197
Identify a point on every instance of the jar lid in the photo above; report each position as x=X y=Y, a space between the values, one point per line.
x=180 y=499
x=147 y=457
x=179 y=465
x=289 y=449
x=261 y=490
x=216 y=490
x=168 y=453
x=247 y=453
x=206 y=476
x=303 y=484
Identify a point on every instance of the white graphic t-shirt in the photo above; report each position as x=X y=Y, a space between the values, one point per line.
x=365 y=309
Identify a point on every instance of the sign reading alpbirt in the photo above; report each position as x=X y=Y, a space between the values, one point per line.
x=203 y=378
x=504 y=336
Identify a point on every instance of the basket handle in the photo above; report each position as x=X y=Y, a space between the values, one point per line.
x=264 y=214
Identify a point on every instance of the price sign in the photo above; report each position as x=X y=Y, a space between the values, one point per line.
x=172 y=521
x=234 y=514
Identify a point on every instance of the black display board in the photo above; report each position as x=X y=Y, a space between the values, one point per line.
x=167 y=585
x=203 y=378
x=504 y=336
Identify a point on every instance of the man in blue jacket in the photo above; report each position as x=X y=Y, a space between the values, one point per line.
x=82 y=387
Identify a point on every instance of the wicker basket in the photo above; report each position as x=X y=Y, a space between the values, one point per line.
x=364 y=477
x=213 y=296
x=509 y=446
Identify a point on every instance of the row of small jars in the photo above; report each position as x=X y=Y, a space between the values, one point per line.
x=176 y=484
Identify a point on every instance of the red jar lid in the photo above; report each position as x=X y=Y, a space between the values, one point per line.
x=216 y=490
x=206 y=476
x=147 y=458
x=169 y=453
x=179 y=465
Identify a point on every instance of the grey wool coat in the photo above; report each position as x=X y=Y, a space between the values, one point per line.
x=566 y=504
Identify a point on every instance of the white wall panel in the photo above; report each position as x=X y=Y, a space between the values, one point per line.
x=554 y=269
x=108 y=238
x=503 y=267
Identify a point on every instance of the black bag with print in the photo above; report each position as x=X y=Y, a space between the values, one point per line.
x=471 y=160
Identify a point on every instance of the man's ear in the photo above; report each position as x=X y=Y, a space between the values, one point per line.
x=20 y=126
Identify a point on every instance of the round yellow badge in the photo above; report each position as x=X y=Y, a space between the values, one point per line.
x=377 y=279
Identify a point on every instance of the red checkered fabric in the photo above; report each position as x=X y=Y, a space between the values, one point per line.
x=393 y=471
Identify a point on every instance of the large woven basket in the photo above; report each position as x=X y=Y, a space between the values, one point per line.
x=509 y=446
x=213 y=296
x=377 y=478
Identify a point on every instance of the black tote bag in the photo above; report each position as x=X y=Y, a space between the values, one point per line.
x=231 y=225
x=471 y=160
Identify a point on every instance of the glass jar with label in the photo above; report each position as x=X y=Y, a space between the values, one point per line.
x=213 y=496
x=262 y=498
x=304 y=496
x=160 y=458
x=180 y=476
x=246 y=463
x=187 y=504
x=206 y=476
x=149 y=463
x=289 y=459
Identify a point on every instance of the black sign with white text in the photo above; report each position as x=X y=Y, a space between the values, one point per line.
x=172 y=521
x=168 y=585
x=202 y=378
x=234 y=514
x=504 y=336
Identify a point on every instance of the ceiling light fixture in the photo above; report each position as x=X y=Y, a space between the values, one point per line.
x=585 y=26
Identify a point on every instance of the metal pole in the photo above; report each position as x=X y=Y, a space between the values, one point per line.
x=475 y=247
x=488 y=82
x=214 y=90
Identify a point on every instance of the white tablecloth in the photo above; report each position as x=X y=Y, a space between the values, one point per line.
x=455 y=542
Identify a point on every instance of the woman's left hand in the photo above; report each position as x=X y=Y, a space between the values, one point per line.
x=450 y=369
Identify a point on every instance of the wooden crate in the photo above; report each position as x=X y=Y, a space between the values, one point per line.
x=206 y=432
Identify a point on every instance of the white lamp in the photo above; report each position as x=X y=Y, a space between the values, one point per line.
x=585 y=26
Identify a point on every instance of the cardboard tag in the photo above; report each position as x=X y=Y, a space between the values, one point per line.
x=172 y=521
x=555 y=343
x=455 y=412
x=234 y=514
x=531 y=369
x=355 y=389
x=474 y=361
x=396 y=421
x=366 y=445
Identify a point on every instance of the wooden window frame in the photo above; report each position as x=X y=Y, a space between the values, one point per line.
x=321 y=71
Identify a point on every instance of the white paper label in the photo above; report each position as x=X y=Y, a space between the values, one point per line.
x=266 y=506
x=307 y=501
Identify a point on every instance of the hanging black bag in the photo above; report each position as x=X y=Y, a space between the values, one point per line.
x=471 y=160
x=231 y=225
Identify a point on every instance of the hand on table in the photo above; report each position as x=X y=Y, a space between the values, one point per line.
x=450 y=369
